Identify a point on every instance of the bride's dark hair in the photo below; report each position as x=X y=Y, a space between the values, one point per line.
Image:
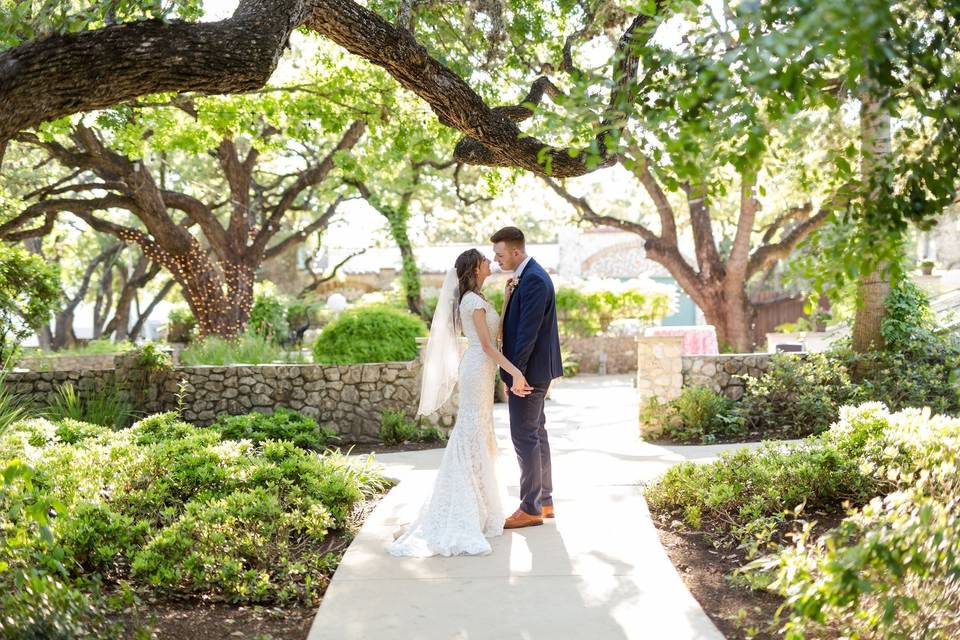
x=466 y=266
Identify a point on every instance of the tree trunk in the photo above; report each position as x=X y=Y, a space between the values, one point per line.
x=872 y=293
x=45 y=338
x=733 y=320
x=221 y=309
x=872 y=288
x=63 y=336
x=398 y=217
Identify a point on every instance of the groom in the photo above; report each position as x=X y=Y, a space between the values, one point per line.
x=531 y=341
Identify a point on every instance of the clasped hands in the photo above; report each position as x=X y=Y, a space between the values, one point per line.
x=521 y=388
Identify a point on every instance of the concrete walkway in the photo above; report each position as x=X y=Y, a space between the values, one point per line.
x=597 y=572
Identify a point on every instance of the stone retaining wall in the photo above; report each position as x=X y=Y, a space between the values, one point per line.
x=723 y=373
x=662 y=371
x=348 y=398
x=620 y=353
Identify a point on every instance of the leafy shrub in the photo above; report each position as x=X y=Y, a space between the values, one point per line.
x=36 y=601
x=41 y=606
x=797 y=396
x=909 y=324
x=11 y=409
x=107 y=407
x=746 y=493
x=95 y=536
x=369 y=334
x=152 y=357
x=241 y=546
x=890 y=569
x=160 y=427
x=698 y=415
x=396 y=428
x=72 y=431
x=29 y=291
x=282 y=424
x=268 y=319
x=177 y=509
x=919 y=365
x=181 y=325
x=299 y=311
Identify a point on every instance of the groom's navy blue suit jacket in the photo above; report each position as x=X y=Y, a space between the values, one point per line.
x=531 y=340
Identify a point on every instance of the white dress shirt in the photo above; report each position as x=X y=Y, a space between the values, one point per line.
x=519 y=270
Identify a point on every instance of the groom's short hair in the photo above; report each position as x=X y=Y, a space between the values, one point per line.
x=511 y=236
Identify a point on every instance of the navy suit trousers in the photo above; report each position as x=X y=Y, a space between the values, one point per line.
x=527 y=428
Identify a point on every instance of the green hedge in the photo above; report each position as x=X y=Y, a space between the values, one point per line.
x=369 y=334
x=167 y=508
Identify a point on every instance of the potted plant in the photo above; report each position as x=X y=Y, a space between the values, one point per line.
x=926 y=267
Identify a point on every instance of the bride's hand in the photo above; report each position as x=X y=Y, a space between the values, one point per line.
x=520 y=386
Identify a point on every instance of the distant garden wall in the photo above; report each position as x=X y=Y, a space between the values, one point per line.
x=618 y=353
x=348 y=398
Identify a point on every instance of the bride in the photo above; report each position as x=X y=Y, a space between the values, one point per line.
x=464 y=508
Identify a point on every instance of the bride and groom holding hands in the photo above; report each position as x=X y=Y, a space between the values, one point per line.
x=464 y=508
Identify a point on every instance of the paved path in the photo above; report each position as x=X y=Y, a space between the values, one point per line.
x=598 y=572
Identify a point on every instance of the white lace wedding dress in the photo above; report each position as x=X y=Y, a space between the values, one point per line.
x=465 y=508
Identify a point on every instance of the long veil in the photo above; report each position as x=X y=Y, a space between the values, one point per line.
x=441 y=360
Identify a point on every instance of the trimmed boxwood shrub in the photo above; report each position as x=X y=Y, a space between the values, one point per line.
x=370 y=334
x=282 y=424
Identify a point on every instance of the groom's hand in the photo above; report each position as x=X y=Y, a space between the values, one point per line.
x=520 y=387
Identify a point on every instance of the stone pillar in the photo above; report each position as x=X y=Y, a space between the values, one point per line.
x=659 y=371
x=659 y=367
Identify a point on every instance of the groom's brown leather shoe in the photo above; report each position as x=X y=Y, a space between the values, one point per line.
x=546 y=511
x=520 y=519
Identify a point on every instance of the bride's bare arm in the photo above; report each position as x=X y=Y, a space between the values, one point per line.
x=520 y=386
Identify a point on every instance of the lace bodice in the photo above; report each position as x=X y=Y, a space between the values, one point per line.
x=470 y=303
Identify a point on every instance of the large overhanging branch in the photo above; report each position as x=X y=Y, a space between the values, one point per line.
x=364 y=33
x=64 y=74
x=9 y=230
x=48 y=209
x=57 y=76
